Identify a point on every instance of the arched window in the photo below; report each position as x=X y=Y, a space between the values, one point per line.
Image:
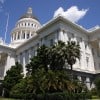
x=15 y=37
x=32 y=25
x=25 y=24
x=31 y=34
x=28 y=35
x=18 y=37
x=23 y=36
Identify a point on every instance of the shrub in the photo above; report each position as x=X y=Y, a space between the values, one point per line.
x=1 y=89
x=64 y=96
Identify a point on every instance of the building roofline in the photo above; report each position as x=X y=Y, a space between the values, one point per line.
x=60 y=17
x=52 y=21
x=64 y=20
x=26 y=42
x=6 y=46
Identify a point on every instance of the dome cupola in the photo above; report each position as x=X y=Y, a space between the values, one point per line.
x=25 y=28
x=29 y=14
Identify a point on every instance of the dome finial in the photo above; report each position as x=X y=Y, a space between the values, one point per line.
x=29 y=11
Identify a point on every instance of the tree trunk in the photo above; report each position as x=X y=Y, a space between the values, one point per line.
x=71 y=71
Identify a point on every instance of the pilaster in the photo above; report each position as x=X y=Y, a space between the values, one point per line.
x=24 y=69
x=60 y=35
x=7 y=65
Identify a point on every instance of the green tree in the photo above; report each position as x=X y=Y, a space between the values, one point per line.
x=56 y=81
x=48 y=57
x=57 y=56
x=23 y=90
x=46 y=73
x=97 y=84
x=72 y=53
x=13 y=76
x=40 y=61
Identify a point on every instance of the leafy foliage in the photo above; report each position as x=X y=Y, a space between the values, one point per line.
x=57 y=56
x=23 y=90
x=54 y=57
x=46 y=76
x=39 y=61
x=72 y=53
x=97 y=84
x=13 y=76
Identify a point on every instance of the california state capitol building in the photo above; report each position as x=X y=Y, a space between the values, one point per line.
x=28 y=34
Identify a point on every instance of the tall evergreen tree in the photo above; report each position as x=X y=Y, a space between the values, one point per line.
x=13 y=76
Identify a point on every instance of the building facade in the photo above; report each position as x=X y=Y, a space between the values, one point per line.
x=29 y=34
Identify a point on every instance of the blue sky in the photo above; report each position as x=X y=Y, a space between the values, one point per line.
x=87 y=12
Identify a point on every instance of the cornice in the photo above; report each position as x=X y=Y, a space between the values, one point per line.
x=28 y=41
x=62 y=19
x=8 y=47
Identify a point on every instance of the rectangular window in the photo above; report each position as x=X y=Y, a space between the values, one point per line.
x=98 y=53
x=79 y=40
x=86 y=44
x=28 y=36
x=18 y=36
x=73 y=35
x=37 y=45
x=51 y=42
x=69 y=39
x=87 y=61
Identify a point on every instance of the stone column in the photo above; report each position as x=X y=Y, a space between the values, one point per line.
x=88 y=83
x=25 y=35
x=60 y=35
x=29 y=52
x=18 y=58
x=24 y=69
x=99 y=48
x=17 y=36
x=7 y=65
x=56 y=36
x=30 y=34
x=21 y=35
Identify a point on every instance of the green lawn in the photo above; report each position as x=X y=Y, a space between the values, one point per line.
x=5 y=99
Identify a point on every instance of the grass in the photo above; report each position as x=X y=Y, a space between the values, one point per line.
x=95 y=98
x=6 y=98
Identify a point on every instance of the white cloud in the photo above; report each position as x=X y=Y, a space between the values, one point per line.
x=73 y=13
x=2 y=1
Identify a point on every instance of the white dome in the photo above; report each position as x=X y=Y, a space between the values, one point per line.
x=25 y=28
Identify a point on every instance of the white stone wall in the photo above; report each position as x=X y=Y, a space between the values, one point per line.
x=89 y=61
x=64 y=33
x=50 y=34
x=7 y=59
